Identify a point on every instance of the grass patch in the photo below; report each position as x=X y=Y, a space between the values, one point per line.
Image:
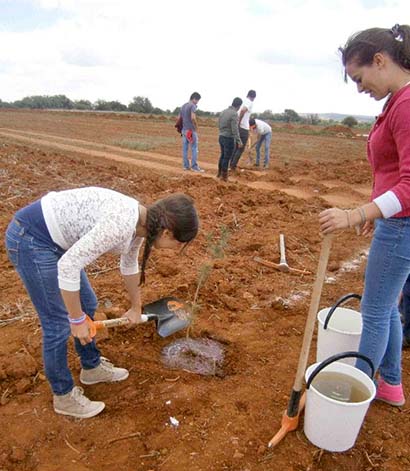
x=144 y=143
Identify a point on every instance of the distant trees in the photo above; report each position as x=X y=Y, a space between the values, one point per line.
x=4 y=104
x=141 y=104
x=102 y=105
x=288 y=116
x=83 y=105
x=312 y=119
x=350 y=121
x=43 y=102
x=291 y=116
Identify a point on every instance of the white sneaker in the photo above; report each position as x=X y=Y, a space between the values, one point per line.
x=105 y=372
x=76 y=404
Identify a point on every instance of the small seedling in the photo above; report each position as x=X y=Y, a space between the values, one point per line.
x=216 y=250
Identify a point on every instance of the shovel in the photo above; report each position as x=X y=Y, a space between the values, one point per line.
x=170 y=315
x=290 y=419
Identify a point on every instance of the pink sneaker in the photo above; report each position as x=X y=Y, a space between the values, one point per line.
x=392 y=394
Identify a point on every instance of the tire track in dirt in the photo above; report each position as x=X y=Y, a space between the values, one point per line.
x=145 y=155
x=145 y=159
x=154 y=160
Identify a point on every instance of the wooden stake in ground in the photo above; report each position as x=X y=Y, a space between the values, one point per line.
x=290 y=419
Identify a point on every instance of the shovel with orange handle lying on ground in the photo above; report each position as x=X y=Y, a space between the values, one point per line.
x=170 y=315
x=290 y=419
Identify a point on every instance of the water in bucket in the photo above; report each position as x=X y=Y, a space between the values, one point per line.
x=337 y=398
x=341 y=387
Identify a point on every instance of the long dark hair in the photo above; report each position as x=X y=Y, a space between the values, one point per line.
x=175 y=213
x=362 y=46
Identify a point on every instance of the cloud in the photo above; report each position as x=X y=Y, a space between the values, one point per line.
x=83 y=58
x=118 y=49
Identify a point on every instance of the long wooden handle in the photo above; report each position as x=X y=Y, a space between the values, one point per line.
x=314 y=304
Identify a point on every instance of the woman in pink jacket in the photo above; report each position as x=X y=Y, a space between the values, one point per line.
x=378 y=61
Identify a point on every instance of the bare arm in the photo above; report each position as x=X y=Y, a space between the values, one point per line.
x=258 y=138
x=334 y=218
x=132 y=285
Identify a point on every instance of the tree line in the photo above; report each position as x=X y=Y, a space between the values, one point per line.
x=140 y=104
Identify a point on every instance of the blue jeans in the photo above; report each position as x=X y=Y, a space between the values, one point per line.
x=36 y=263
x=263 y=139
x=387 y=269
x=227 y=145
x=194 y=150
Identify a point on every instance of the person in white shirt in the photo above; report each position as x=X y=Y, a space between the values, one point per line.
x=52 y=240
x=244 y=115
x=264 y=136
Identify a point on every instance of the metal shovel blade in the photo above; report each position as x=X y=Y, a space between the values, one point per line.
x=170 y=315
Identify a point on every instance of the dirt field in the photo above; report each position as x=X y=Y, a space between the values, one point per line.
x=257 y=313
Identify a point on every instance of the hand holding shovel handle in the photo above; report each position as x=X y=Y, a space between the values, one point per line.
x=98 y=325
x=170 y=315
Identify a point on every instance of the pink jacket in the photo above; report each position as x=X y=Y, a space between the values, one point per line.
x=388 y=150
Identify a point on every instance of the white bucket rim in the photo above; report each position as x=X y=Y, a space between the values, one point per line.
x=333 y=329
x=334 y=401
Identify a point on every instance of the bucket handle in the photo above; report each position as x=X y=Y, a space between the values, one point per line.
x=337 y=357
x=337 y=304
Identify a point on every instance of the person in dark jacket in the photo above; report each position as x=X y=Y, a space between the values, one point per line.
x=229 y=138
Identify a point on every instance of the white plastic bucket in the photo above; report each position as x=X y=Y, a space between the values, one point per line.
x=330 y=424
x=339 y=330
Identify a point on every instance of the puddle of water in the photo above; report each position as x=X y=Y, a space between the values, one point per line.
x=200 y=356
x=350 y=265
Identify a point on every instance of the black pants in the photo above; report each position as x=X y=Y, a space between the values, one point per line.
x=227 y=145
x=243 y=134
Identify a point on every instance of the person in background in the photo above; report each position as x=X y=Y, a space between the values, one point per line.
x=229 y=138
x=244 y=115
x=378 y=61
x=190 y=133
x=404 y=308
x=263 y=136
x=50 y=241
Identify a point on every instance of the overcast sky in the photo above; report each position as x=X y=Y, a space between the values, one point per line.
x=166 y=49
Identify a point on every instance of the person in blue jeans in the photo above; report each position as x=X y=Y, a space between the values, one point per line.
x=52 y=240
x=263 y=137
x=190 y=133
x=377 y=60
x=404 y=308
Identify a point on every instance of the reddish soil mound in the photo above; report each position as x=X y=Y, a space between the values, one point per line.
x=338 y=129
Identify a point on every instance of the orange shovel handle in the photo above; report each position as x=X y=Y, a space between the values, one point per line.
x=93 y=326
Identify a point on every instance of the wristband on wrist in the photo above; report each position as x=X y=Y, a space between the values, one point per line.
x=78 y=320
x=362 y=215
